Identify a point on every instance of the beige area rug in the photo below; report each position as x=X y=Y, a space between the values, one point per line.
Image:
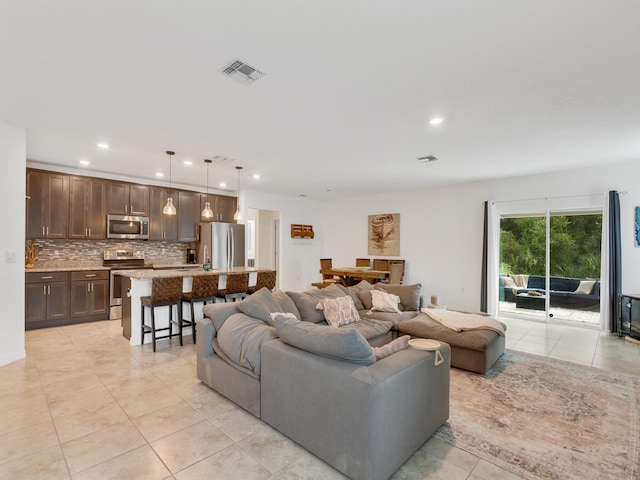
x=547 y=419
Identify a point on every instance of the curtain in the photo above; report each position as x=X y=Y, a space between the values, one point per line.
x=613 y=264
x=483 y=279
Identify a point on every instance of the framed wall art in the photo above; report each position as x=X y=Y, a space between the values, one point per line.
x=637 y=228
x=384 y=234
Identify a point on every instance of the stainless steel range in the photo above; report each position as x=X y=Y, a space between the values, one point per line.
x=120 y=260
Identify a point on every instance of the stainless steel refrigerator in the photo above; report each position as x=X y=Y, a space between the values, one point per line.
x=221 y=244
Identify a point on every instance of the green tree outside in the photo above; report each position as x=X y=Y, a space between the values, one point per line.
x=575 y=245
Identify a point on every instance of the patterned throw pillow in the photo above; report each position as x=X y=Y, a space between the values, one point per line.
x=339 y=311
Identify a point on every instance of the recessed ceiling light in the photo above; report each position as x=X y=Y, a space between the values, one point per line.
x=256 y=176
x=159 y=174
x=188 y=162
x=436 y=121
x=222 y=184
x=84 y=162
x=102 y=145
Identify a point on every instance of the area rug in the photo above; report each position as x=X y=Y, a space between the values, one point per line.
x=547 y=419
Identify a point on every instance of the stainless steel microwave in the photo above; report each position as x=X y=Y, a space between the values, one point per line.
x=127 y=227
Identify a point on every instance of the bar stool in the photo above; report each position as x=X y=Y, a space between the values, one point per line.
x=264 y=279
x=236 y=287
x=204 y=289
x=165 y=291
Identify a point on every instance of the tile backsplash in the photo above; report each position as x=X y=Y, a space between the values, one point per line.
x=87 y=253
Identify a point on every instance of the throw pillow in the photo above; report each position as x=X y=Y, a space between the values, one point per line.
x=365 y=298
x=306 y=301
x=282 y=314
x=339 y=343
x=259 y=305
x=382 y=301
x=409 y=294
x=394 y=346
x=339 y=311
x=585 y=287
x=355 y=290
x=508 y=282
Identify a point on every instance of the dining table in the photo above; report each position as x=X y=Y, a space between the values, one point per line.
x=351 y=275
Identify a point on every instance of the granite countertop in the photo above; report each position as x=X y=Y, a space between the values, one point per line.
x=190 y=272
x=64 y=269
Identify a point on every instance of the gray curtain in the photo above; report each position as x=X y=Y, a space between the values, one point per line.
x=615 y=260
x=485 y=255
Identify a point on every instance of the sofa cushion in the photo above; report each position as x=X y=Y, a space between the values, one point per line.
x=354 y=291
x=370 y=328
x=262 y=303
x=339 y=343
x=395 y=318
x=409 y=294
x=240 y=338
x=339 y=311
x=585 y=287
x=306 y=301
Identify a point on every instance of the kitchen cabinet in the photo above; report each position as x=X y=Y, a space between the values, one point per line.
x=188 y=215
x=46 y=299
x=161 y=226
x=90 y=295
x=223 y=206
x=127 y=199
x=47 y=206
x=87 y=205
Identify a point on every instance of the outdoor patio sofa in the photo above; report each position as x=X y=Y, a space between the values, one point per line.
x=575 y=293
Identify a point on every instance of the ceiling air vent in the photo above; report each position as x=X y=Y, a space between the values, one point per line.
x=428 y=158
x=242 y=72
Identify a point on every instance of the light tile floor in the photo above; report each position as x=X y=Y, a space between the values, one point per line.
x=85 y=405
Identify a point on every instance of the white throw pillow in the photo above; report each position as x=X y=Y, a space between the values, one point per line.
x=585 y=287
x=382 y=301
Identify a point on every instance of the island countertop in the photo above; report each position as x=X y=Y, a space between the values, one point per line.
x=188 y=272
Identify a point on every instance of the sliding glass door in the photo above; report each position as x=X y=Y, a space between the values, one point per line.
x=550 y=265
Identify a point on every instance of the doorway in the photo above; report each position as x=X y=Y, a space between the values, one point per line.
x=263 y=230
x=550 y=266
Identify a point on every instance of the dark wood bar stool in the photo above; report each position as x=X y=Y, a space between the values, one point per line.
x=165 y=291
x=204 y=289
x=264 y=279
x=236 y=287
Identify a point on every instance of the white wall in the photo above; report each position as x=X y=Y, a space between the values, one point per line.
x=12 y=185
x=299 y=258
x=441 y=229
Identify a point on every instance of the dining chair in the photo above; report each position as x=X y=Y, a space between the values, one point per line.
x=396 y=270
x=327 y=278
x=381 y=264
x=363 y=262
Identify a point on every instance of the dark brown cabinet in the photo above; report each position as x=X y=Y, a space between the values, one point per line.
x=127 y=199
x=90 y=295
x=47 y=205
x=188 y=215
x=161 y=226
x=87 y=205
x=223 y=206
x=46 y=299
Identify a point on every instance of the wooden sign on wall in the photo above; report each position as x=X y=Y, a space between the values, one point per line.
x=301 y=231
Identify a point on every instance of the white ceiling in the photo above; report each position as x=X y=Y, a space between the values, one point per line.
x=524 y=86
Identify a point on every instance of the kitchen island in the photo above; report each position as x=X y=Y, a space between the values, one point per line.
x=137 y=283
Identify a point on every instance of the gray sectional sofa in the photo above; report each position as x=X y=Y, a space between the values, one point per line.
x=275 y=356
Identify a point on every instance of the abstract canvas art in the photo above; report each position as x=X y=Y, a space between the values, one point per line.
x=384 y=234
x=637 y=227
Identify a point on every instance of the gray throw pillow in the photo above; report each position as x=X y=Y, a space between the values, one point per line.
x=339 y=343
x=306 y=301
x=286 y=304
x=261 y=304
x=355 y=290
x=409 y=294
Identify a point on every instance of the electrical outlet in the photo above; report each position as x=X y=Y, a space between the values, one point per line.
x=11 y=257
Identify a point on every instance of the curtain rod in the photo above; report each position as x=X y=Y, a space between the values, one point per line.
x=624 y=192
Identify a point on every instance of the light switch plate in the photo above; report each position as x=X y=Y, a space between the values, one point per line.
x=11 y=257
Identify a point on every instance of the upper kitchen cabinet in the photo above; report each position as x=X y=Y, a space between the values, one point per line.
x=87 y=205
x=223 y=207
x=127 y=199
x=188 y=215
x=161 y=226
x=47 y=205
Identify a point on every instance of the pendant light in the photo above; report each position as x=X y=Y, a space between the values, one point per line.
x=207 y=212
x=169 y=208
x=238 y=215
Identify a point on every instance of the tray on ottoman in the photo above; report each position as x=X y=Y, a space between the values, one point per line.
x=473 y=350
